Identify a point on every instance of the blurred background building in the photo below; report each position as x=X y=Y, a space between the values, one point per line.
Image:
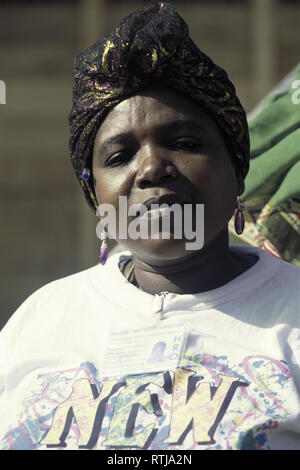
x=47 y=229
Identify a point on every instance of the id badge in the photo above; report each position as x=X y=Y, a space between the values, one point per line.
x=144 y=350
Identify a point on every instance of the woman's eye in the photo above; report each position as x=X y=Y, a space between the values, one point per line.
x=187 y=144
x=118 y=159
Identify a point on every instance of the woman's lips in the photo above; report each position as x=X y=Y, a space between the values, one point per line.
x=159 y=207
x=167 y=199
x=156 y=213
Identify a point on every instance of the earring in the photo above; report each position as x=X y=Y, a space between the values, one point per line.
x=104 y=249
x=85 y=174
x=239 y=221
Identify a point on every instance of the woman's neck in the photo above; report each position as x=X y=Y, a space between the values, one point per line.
x=208 y=269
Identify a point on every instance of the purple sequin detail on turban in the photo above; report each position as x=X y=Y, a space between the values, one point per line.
x=149 y=45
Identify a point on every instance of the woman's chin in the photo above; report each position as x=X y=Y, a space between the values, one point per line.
x=158 y=251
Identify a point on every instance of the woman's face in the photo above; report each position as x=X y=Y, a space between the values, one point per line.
x=159 y=143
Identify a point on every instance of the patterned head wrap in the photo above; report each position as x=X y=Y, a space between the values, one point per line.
x=150 y=45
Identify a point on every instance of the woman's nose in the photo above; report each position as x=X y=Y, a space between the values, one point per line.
x=154 y=168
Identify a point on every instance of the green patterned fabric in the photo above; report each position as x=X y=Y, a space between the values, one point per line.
x=272 y=186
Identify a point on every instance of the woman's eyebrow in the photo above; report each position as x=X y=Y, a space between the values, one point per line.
x=182 y=124
x=115 y=139
x=167 y=126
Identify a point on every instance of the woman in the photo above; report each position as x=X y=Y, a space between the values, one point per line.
x=154 y=120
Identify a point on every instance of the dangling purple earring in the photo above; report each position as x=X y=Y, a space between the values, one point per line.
x=239 y=221
x=104 y=249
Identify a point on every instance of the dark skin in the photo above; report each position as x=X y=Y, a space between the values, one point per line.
x=156 y=143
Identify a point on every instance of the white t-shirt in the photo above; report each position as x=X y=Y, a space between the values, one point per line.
x=90 y=361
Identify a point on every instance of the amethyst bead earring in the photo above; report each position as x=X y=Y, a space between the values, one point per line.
x=239 y=221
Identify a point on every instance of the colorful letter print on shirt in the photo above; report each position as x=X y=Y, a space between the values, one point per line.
x=210 y=402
